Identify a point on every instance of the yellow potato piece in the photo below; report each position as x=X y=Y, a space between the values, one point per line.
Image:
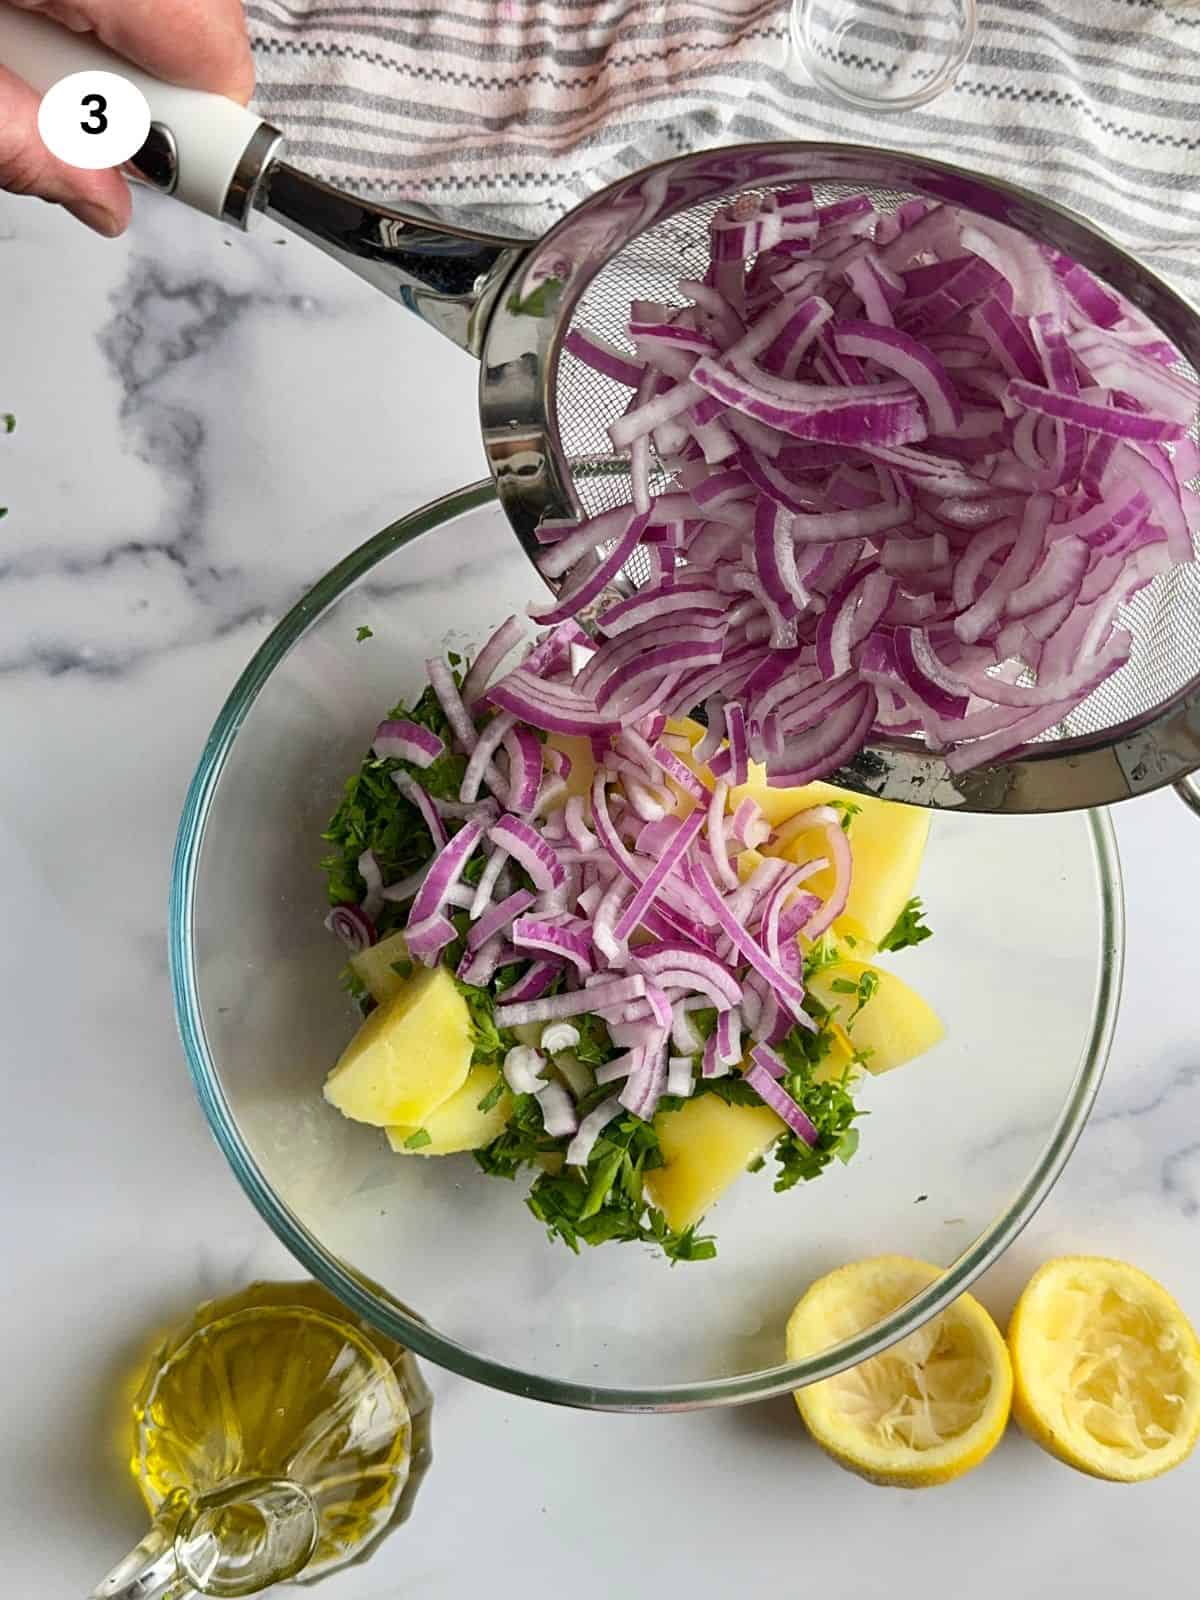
x=887 y=841
x=1107 y=1369
x=458 y=1124
x=706 y=1144
x=409 y=1056
x=376 y=966
x=927 y=1410
x=895 y=1025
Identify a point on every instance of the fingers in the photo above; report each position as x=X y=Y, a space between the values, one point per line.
x=201 y=44
x=99 y=199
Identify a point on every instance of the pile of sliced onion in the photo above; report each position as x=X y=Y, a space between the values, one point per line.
x=918 y=464
x=637 y=912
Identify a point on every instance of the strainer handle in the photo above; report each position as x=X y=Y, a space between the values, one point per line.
x=1188 y=790
x=202 y=147
x=223 y=160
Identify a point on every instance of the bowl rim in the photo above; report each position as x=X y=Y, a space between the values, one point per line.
x=370 y=1301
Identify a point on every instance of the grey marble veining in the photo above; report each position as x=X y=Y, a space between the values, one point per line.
x=205 y=423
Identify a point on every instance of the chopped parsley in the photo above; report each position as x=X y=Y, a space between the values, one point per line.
x=909 y=928
x=828 y=1104
x=8 y=420
x=418 y=1140
x=863 y=991
x=849 y=811
x=363 y=632
x=599 y=1203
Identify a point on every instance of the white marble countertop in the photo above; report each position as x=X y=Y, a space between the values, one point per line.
x=205 y=423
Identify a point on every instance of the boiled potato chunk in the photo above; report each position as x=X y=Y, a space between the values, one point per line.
x=458 y=1123
x=376 y=966
x=409 y=1056
x=888 y=842
x=705 y=1145
x=895 y=1025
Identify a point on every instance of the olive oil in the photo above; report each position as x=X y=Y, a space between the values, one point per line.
x=281 y=1385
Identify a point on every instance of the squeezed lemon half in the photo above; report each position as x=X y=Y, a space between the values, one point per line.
x=927 y=1410
x=1107 y=1369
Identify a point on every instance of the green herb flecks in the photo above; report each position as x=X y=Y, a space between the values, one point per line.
x=363 y=632
x=849 y=810
x=863 y=991
x=537 y=302
x=374 y=815
x=490 y=1044
x=828 y=1104
x=8 y=420
x=909 y=928
x=602 y=1202
x=594 y=1047
x=823 y=954
x=418 y=1139
x=492 y=1097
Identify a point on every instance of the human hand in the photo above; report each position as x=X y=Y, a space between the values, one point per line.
x=200 y=44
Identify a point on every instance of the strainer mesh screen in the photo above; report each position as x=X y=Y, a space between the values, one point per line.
x=1164 y=618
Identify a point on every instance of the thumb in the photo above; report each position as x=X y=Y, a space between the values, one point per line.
x=99 y=199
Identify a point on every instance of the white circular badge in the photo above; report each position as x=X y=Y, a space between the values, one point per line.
x=93 y=119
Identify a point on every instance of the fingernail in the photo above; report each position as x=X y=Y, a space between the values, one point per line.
x=97 y=217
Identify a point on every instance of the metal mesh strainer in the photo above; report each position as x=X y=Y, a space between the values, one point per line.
x=1138 y=731
x=544 y=418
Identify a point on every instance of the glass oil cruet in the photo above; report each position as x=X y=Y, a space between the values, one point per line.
x=275 y=1437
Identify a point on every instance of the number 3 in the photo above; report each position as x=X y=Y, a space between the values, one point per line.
x=97 y=121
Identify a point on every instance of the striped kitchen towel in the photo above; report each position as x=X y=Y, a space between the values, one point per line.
x=507 y=112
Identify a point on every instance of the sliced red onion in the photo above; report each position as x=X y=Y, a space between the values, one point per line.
x=780 y=1101
x=711 y=1065
x=428 y=938
x=644 y=1087
x=559 y=1036
x=370 y=873
x=353 y=927
x=593 y=1125
x=789 y=991
x=648 y=889
x=444 y=687
x=603 y=357
x=681 y=1076
x=480 y=967
x=838 y=845
x=558 y=1110
x=523 y=1068
x=1096 y=419
x=529 y=850
x=673 y=964
x=443 y=875
x=506 y=638
x=425 y=804
x=524 y=751
x=498 y=918
x=749 y=826
x=571 y=940
x=402 y=740
x=728 y=1035
x=618 y=991
x=532 y=983
x=487 y=743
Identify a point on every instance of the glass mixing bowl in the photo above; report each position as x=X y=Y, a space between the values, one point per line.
x=956 y=1155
